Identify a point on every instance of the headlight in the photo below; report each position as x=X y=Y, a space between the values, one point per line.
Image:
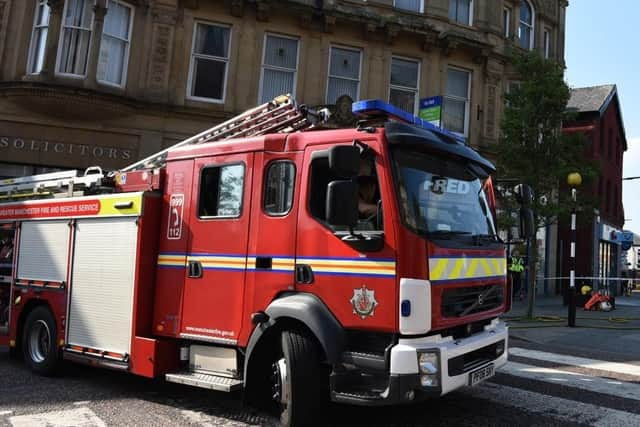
x=429 y=380
x=429 y=363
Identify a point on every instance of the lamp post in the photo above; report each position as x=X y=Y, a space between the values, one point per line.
x=574 y=180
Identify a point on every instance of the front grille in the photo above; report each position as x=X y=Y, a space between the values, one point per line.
x=469 y=361
x=474 y=299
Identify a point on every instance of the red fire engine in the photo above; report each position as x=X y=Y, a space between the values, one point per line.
x=267 y=254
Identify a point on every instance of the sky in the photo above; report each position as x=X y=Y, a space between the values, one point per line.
x=602 y=48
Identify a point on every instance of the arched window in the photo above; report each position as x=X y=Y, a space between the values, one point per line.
x=525 y=30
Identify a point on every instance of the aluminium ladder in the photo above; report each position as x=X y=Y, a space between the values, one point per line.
x=281 y=114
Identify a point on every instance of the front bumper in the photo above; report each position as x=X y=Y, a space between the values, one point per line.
x=458 y=358
x=452 y=373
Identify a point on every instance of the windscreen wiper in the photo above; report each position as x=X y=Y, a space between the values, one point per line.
x=447 y=233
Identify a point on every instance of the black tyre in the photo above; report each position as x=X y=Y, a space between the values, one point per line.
x=301 y=380
x=39 y=342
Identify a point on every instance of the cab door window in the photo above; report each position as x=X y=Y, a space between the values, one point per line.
x=369 y=201
x=221 y=190
x=278 y=188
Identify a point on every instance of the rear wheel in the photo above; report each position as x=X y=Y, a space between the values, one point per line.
x=300 y=379
x=39 y=345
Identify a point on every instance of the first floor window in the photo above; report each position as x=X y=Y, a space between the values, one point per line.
x=411 y=5
x=506 y=22
x=279 y=67
x=547 y=44
x=39 y=37
x=456 y=101
x=461 y=11
x=209 y=61
x=344 y=74
x=525 y=30
x=75 y=37
x=403 y=84
x=114 y=46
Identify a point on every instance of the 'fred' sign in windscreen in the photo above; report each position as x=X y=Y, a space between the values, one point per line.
x=441 y=185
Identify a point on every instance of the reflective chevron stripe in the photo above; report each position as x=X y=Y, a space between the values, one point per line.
x=441 y=269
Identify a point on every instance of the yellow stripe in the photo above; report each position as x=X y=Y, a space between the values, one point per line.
x=471 y=269
x=457 y=269
x=484 y=262
x=440 y=266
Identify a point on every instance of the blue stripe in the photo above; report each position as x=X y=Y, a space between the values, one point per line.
x=346 y=259
x=331 y=273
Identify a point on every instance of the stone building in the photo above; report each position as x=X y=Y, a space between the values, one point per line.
x=86 y=82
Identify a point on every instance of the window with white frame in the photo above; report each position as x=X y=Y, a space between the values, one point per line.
x=403 y=84
x=461 y=11
x=525 y=30
x=547 y=43
x=506 y=22
x=39 y=37
x=114 y=46
x=75 y=37
x=209 y=62
x=279 y=67
x=455 y=114
x=411 y=5
x=344 y=74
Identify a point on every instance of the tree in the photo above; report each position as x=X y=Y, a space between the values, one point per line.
x=534 y=150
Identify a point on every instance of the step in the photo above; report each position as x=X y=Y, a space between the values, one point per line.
x=367 y=361
x=212 y=382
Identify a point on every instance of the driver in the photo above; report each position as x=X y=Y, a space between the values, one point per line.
x=367 y=205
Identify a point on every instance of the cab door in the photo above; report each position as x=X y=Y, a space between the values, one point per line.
x=217 y=249
x=7 y=244
x=358 y=287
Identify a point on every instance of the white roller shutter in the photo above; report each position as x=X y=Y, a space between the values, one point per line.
x=102 y=284
x=44 y=247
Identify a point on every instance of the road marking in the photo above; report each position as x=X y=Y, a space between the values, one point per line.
x=554 y=407
x=620 y=368
x=2 y=413
x=82 y=402
x=197 y=418
x=81 y=417
x=573 y=379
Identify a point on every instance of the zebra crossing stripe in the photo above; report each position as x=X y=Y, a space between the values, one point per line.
x=572 y=379
x=566 y=410
x=619 y=368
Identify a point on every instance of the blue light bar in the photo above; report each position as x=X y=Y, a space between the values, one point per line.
x=375 y=109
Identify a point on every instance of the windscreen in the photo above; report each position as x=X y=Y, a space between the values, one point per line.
x=441 y=196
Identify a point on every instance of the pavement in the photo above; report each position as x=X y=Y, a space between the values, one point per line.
x=616 y=332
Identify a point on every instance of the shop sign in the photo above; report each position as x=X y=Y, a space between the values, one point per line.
x=15 y=143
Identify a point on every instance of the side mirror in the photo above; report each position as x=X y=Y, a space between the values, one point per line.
x=344 y=160
x=524 y=194
x=342 y=203
x=527 y=226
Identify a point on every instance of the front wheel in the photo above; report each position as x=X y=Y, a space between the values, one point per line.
x=39 y=345
x=300 y=380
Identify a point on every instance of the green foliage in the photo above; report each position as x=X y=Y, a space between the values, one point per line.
x=533 y=149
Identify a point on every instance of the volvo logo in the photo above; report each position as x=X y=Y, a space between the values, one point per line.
x=480 y=299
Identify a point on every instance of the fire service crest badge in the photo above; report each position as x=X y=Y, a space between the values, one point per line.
x=364 y=302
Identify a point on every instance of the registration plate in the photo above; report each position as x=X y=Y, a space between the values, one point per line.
x=481 y=374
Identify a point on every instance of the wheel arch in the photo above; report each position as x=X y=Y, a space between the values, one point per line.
x=296 y=311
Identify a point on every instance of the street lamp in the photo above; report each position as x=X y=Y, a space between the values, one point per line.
x=574 y=180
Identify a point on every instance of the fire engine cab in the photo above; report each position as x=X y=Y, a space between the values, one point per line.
x=267 y=254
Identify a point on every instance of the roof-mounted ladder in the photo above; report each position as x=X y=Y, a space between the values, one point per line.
x=55 y=184
x=282 y=114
